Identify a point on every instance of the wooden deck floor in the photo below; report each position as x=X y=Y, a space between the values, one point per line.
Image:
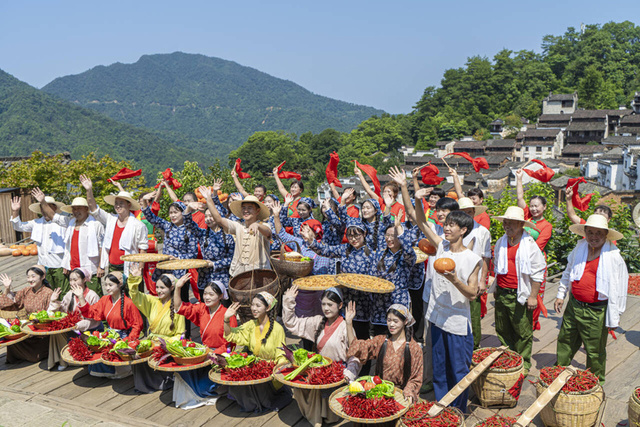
x=74 y=396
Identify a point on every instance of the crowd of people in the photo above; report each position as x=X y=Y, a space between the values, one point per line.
x=421 y=336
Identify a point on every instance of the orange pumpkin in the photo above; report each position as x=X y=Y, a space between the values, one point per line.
x=427 y=247
x=13 y=247
x=33 y=251
x=16 y=252
x=25 y=252
x=443 y=265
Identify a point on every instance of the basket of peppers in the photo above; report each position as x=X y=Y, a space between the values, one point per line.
x=309 y=370
x=418 y=416
x=369 y=400
x=237 y=368
x=496 y=421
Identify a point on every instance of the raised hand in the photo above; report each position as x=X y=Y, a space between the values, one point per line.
x=276 y=207
x=292 y=291
x=275 y=171
x=77 y=291
x=453 y=172
x=415 y=172
x=205 y=191
x=37 y=194
x=183 y=280
x=134 y=269
x=307 y=233
x=231 y=311
x=397 y=176
x=347 y=193
x=388 y=200
x=16 y=204
x=326 y=205
x=423 y=193
x=56 y=294
x=217 y=184
x=117 y=184
x=350 y=312
x=519 y=174
x=86 y=182
x=233 y=173
x=288 y=199
x=6 y=281
x=569 y=193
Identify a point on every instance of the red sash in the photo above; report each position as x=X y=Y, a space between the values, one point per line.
x=328 y=331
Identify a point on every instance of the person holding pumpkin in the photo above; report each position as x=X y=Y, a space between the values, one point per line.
x=47 y=235
x=448 y=313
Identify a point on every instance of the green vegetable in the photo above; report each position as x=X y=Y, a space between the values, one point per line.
x=237 y=361
x=301 y=356
x=42 y=315
x=307 y=364
x=4 y=331
x=144 y=346
x=58 y=314
x=120 y=345
x=385 y=389
x=15 y=328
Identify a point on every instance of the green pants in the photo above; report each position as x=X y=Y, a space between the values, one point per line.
x=476 y=321
x=57 y=279
x=95 y=285
x=514 y=325
x=584 y=325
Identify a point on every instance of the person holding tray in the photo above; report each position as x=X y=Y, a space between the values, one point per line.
x=397 y=360
x=164 y=322
x=328 y=332
x=192 y=389
x=120 y=313
x=252 y=238
x=69 y=304
x=262 y=337
x=33 y=298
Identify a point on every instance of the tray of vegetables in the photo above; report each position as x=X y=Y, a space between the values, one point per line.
x=179 y=355
x=11 y=332
x=77 y=353
x=100 y=341
x=309 y=370
x=240 y=369
x=128 y=352
x=46 y=323
x=369 y=400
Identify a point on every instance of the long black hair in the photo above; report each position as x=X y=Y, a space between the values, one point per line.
x=172 y=312
x=123 y=293
x=42 y=275
x=333 y=297
x=357 y=231
x=380 y=266
x=82 y=276
x=272 y=317
x=408 y=332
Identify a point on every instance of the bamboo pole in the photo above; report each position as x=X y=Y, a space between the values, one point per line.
x=465 y=382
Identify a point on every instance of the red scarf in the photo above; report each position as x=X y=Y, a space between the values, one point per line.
x=328 y=331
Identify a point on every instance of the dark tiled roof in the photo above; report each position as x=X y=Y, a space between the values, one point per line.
x=554 y=118
x=628 y=129
x=589 y=114
x=539 y=133
x=497 y=122
x=442 y=143
x=620 y=140
x=583 y=149
x=618 y=113
x=630 y=119
x=501 y=143
x=560 y=97
x=469 y=145
x=586 y=126
x=539 y=142
x=501 y=173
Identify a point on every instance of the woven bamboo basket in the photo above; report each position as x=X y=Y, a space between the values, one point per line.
x=492 y=385
x=336 y=407
x=245 y=286
x=293 y=269
x=572 y=409
x=634 y=409
x=406 y=421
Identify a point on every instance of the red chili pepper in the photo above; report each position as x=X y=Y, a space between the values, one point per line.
x=255 y=371
x=111 y=357
x=418 y=416
x=329 y=374
x=497 y=421
x=184 y=342
x=508 y=359
x=64 y=323
x=358 y=406
x=79 y=350
x=581 y=382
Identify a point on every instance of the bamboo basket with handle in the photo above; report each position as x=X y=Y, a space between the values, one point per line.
x=634 y=409
x=293 y=269
x=493 y=384
x=245 y=286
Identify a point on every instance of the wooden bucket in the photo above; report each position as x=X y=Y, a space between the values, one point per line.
x=245 y=286
x=293 y=269
x=571 y=409
x=492 y=385
x=634 y=409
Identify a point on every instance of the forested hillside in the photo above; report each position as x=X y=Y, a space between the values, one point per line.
x=32 y=120
x=219 y=102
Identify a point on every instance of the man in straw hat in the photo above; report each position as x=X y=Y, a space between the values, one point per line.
x=252 y=238
x=47 y=235
x=598 y=278
x=83 y=236
x=124 y=234
x=519 y=268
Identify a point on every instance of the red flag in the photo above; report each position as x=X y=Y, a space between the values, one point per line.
x=168 y=176
x=479 y=163
x=287 y=175
x=544 y=175
x=580 y=203
x=430 y=175
x=241 y=175
x=332 y=170
x=125 y=173
x=373 y=174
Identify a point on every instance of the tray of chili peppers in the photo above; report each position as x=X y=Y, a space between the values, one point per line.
x=240 y=369
x=307 y=369
x=507 y=361
x=128 y=352
x=177 y=355
x=77 y=353
x=583 y=382
x=369 y=400
x=496 y=421
x=418 y=416
x=52 y=325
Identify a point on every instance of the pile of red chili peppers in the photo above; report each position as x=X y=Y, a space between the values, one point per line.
x=158 y=352
x=507 y=360
x=255 y=371
x=111 y=356
x=583 y=381
x=358 y=406
x=497 y=421
x=634 y=285
x=418 y=416
x=65 y=323
x=638 y=393
x=79 y=350
x=326 y=374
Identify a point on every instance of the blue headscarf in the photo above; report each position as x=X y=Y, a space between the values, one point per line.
x=356 y=223
x=376 y=206
x=336 y=291
x=274 y=197
x=309 y=201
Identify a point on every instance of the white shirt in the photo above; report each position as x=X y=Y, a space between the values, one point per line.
x=430 y=272
x=90 y=236
x=49 y=238
x=448 y=307
x=482 y=245
x=534 y=261
x=136 y=241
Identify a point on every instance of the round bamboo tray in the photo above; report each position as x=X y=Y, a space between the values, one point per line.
x=26 y=328
x=279 y=376
x=634 y=408
x=336 y=407
x=66 y=356
x=145 y=257
x=316 y=283
x=571 y=409
x=420 y=256
x=492 y=385
x=245 y=286
x=365 y=283
x=7 y=343
x=216 y=377
x=405 y=421
x=182 y=264
x=194 y=360
x=144 y=357
x=153 y=364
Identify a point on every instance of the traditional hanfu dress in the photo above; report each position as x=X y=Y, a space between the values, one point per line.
x=266 y=396
x=332 y=343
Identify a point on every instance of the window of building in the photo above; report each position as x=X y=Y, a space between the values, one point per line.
x=566 y=104
x=538 y=149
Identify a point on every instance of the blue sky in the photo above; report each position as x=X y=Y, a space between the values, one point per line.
x=377 y=53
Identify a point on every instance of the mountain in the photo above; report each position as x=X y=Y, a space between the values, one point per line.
x=204 y=98
x=33 y=120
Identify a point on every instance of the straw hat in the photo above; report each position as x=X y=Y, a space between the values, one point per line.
x=596 y=221
x=466 y=203
x=515 y=213
x=236 y=207
x=35 y=207
x=78 y=201
x=125 y=195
